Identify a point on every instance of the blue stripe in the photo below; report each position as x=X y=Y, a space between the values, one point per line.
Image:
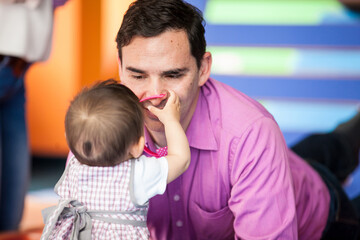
x=292 y=138
x=200 y=4
x=328 y=62
x=269 y=87
x=353 y=189
x=309 y=116
x=333 y=35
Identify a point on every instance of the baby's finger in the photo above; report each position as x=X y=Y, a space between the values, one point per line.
x=177 y=99
x=153 y=110
x=172 y=96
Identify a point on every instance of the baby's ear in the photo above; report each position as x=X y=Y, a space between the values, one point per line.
x=137 y=149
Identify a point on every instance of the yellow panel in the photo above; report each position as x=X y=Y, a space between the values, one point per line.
x=90 y=41
x=83 y=51
x=52 y=84
x=112 y=15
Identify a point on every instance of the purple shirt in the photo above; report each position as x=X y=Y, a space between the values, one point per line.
x=242 y=181
x=58 y=3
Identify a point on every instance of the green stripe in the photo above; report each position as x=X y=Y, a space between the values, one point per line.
x=272 y=12
x=252 y=61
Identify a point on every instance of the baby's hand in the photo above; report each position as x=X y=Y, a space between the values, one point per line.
x=171 y=111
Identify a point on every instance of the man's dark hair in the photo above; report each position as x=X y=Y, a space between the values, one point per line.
x=102 y=123
x=150 y=18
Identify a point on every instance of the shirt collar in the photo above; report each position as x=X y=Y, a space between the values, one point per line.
x=148 y=141
x=200 y=132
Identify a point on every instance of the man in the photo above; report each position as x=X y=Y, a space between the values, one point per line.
x=243 y=181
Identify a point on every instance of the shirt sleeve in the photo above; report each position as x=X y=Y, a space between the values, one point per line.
x=262 y=196
x=150 y=178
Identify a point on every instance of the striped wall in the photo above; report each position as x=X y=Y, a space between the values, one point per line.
x=300 y=59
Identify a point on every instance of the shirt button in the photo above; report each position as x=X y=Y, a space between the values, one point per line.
x=179 y=223
x=176 y=198
x=84 y=188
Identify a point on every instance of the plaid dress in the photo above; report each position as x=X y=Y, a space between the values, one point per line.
x=105 y=191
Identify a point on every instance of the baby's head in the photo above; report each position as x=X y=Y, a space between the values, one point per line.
x=104 y=125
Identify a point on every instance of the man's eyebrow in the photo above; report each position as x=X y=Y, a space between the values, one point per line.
x=175 y=71
x=131 y=69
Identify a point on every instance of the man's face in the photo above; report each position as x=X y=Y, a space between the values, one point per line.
x=152 y=66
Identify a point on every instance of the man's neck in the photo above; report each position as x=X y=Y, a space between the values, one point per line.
x=158 y=138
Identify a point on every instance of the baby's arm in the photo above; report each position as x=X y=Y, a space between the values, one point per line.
x=178 y=147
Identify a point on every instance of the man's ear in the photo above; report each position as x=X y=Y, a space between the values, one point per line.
x=205 y=68
x=137 y=149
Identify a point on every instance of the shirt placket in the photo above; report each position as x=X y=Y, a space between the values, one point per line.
x=177 y=209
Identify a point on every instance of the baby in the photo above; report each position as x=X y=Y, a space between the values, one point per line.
x=108 y=181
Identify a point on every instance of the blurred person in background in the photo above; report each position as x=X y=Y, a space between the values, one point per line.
x=25 y=38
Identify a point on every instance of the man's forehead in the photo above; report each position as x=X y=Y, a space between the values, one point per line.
x=165 y=52
x=167 y=40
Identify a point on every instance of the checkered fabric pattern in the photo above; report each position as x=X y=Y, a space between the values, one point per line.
x=104 y=189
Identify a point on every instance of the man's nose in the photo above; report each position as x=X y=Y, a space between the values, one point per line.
x=157 y=92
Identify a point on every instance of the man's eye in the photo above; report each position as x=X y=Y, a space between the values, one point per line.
x=174 y=75
x=138 y=77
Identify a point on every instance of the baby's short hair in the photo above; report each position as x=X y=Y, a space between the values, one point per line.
x=103 y=122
